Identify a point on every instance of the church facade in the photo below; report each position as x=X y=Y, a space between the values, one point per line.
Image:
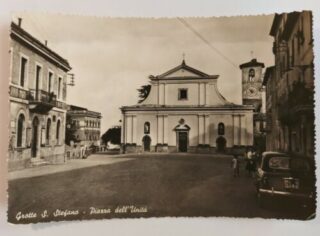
x=184 y=112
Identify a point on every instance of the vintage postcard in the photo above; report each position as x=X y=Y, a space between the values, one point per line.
x=167 y=117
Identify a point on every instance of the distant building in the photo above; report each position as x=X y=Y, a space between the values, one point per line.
x=185 y=112
x=254 y=94
x=83 y=127
x=290 y=85
x=37 y=93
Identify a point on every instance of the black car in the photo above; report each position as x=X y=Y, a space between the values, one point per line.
x=281 y=176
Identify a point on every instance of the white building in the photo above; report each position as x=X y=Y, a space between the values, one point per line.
x=185 y=112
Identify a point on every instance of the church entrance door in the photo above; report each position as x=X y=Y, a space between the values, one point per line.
x=146 y=143
x=183 y=141
x=221 y=144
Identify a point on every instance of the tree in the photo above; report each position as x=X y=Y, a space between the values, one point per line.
x=144 y=92
x=112 y=135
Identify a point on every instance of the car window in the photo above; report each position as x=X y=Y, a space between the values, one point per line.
x=298 y=164
x=279 y=163
x=287 y=163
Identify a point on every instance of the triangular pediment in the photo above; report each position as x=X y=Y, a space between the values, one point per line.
x=181 y=71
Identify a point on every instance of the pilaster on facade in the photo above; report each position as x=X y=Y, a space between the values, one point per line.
x=203 y=129
x=207 y=129
x=202 y=94
x=161 y=94
x=236 y=130
x=130 y=132
x=242 y=126
x=165 y=129
x=200 y=129
x=162 y=129
x=134 y=129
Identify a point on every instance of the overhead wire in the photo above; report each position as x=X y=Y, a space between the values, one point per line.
x=203 y=39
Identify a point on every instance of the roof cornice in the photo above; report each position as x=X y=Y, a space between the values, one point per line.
x=34 y=44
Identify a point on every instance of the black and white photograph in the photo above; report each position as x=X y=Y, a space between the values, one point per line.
x=127 y=117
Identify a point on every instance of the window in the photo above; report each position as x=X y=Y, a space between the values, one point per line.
x=50 y=82
x=20 y=130
x=220 y=129
x=58 y=132
x=147 y=127
x=38 y=74
x=59 y=87
x=251 y=75
x=183 y=94
x=280 y=163
x=48 y=131
x=23 y=71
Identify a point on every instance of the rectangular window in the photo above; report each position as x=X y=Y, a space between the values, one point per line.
x=50 y=82
x=38 y=73
x=183 y=94
x=23 y=71
x=59 y=87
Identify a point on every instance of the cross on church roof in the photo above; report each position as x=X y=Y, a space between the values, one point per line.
x=183 y=58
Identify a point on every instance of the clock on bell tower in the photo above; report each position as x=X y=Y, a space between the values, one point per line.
x=251 y=83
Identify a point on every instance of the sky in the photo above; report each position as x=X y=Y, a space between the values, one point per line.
x=112 y=57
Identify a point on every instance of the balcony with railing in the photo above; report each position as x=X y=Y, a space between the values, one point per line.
x=41 y=101
x=17 y=92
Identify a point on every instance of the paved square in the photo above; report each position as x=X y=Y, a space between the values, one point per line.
x=167 y=184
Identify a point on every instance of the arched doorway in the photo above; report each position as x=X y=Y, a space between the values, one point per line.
x=221 y=144
x=20 y=130
x=34 y=140
x=146 y=143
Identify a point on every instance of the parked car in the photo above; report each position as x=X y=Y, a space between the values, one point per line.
x=281 y=176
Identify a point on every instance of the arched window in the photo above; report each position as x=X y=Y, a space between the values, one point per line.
x=251 y=75
x=147 y=127
x=220 y=129
x=58 y=131
x=48 y=133
x=20 y=130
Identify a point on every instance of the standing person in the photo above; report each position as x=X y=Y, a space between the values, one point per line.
x=235 y=166
x=249 y=162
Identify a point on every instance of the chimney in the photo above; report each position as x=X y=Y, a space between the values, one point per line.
x=46 y=42
x=19 y=21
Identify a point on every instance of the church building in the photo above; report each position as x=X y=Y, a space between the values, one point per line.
x=183 y=111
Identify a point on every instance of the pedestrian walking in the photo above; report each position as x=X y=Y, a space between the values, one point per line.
x=235 y=166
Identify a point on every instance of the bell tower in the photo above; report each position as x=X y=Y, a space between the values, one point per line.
x=252 y=83
x=253 y=94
